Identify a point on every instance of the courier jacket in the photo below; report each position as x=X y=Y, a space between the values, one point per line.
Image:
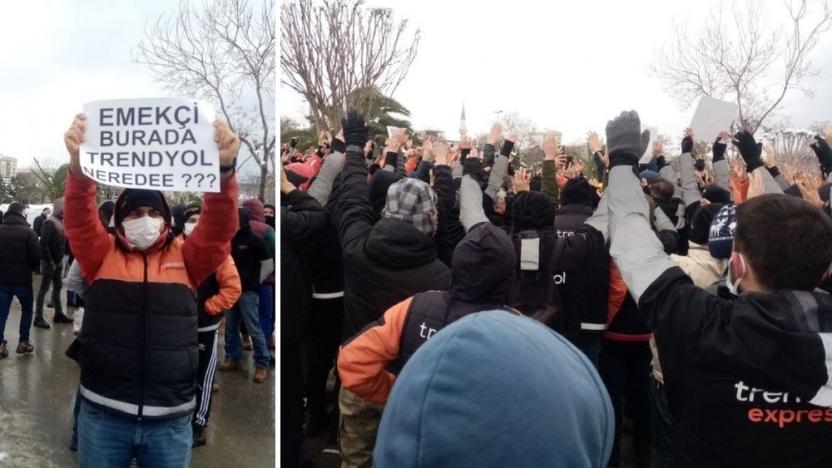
x=218 y=293
x=138 y=343
x=748 y=381
x=369 y=363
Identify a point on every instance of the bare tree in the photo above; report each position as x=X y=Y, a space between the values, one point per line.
x=221 y=50
x=331 y=48
x=744 y=60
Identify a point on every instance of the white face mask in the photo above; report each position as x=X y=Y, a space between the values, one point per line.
x=733 y=284
x=142 y=232
x=188 y=228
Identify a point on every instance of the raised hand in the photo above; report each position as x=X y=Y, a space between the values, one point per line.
x=625 y=140
x=73 y=139
x=808 y=186
x=427 y=151
x=227 y=141
x=550 y=147
x=512 y=137
x=494 y=135
x=658 y=148
x=594 y=142
x=749 y=150
x=440 y=152
x=324 y=137
x=522 y=178
x=285 y=185
x=756 y=187
x=355 y=132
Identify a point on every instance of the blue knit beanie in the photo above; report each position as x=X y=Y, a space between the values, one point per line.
x=721 y=238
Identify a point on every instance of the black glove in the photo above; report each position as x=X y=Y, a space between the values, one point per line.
x=338 y=146
x=355 y=132
x=687 y=145
x=625 y=141
x=719 y=150
x=749 y=150
x=507 y=147
x=823 y=152
x=661 y=161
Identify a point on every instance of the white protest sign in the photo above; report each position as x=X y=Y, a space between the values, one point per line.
x=391 y=130
x=648 y=153
x=711 y=117
x=154 y=143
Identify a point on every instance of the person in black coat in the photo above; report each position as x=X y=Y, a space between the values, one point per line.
x=383 y=264
x=38 y=223
x=53 y=246
x=302 y=220
x=19 y=257
x=249 y=251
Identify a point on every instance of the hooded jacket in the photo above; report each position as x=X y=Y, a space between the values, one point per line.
x=307 y=228
x=496 y=390
x=541 y=255
x=383 y=263
x=584 y=291
x=138 y=343
x=19 y=251
x=481 y=275
x=52 y=238
x=747 y=380
x=257 y=213
x=249 y=251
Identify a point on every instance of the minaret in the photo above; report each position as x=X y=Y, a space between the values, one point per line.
x=463 y=131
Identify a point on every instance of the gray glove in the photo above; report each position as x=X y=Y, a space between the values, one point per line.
x=625 y=140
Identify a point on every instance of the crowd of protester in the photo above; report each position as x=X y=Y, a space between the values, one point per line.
x=148 y=287
x=446 y=306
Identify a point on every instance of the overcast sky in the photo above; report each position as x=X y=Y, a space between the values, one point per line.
x=570 y=66
x=59 y=54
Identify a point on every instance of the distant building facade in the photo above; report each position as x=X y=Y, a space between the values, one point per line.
x=8 y=167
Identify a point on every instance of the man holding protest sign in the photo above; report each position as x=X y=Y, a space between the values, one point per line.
x=138 y=343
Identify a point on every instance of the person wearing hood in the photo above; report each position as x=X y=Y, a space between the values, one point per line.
x=257 y=214
x=177 y=213
x=19 y=257
x=495 y=389
x=384 y=263
x=481 y=274
x=249 y=252
x=747 y=380
x=580 y=300
x=138 y=344
x=542 y=254
x=218 y=293
x=53 y=247
x=269 y=211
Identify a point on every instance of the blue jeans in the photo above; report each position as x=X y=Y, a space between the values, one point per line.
x=266 y=293
x=246 y=310
x=106 y=440
x=25 y=296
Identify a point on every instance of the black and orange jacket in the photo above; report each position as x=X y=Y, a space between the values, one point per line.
x=218 y=293
x=482 y=270
x=138 y=343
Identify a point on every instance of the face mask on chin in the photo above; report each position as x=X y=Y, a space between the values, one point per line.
x=732 y=283
x=188 y=228
x=142 y=232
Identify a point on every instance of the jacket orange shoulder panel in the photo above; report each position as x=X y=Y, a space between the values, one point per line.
x=618 y=291
x=163 y=266
x=362 y=361
x=230 y=288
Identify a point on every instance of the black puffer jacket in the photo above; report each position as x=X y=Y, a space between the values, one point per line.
x=19 y=251
x=383 y=264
